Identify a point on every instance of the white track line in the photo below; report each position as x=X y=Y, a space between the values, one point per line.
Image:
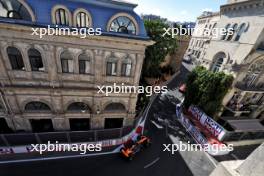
x=234 y=156
x=153 y=162
x=157 y=125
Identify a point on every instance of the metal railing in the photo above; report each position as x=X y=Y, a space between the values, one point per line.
x=239 y=136
x=253 y=88
x=21 y=139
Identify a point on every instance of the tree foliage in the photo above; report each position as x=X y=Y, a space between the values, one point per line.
x=156 y=53
x=207 y=89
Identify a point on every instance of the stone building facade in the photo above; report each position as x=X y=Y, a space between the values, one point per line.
x=201 y=39
x=50 y=83
x=240 y=54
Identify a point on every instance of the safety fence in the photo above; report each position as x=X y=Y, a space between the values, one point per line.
x=20 y=139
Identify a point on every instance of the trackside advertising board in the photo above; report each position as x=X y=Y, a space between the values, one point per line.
x=198 y=137
x=212 y=126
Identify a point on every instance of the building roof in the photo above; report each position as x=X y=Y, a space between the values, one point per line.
x=107 y=2
x=208 y=14
x=101 y=12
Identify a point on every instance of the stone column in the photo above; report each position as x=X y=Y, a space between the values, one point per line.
x=50 y=56
x=98 y=63
x=139 y=59
x=97 y=119
x=59 y=124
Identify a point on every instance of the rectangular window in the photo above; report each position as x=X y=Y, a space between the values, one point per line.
x=64 y=66
x=198 y=55
x=70 y=66
x=111 y=68
x=126 y=69
x=67 y=65
x=251 y=80
x=84 y=67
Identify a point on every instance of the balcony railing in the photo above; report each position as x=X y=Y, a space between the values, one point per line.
x=238 y=108
x=251 y=88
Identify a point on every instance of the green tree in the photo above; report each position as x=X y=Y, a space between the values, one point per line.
x=156 y=53
x=207 y=89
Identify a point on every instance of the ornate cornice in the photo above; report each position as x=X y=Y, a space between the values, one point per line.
x=243 y=5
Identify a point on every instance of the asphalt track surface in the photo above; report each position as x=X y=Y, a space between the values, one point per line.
x=153 y=161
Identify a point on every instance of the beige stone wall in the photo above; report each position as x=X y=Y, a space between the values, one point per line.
x=199 y=43
x=239 y=55
x=58 y=89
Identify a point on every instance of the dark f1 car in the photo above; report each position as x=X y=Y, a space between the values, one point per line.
x=132 y=147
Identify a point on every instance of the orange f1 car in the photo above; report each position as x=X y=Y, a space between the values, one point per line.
x=132 y=147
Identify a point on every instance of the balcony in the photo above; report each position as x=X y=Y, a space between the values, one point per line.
x=238 y=108
x=250 y=88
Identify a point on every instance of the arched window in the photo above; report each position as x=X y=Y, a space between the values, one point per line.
x=126 y=67
x=37 y=106
x=15 y=58
x=115 y=107
x=226 y=31
x=82 y=18
x=233 y=29
x=62 y=17
x=123 y=24
x=79 y=107
x=66 y=62
x=111 y=67
x=241 y=29
x=14 y=9
x=84 y=64
x=35 y=60
x=218 y=62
